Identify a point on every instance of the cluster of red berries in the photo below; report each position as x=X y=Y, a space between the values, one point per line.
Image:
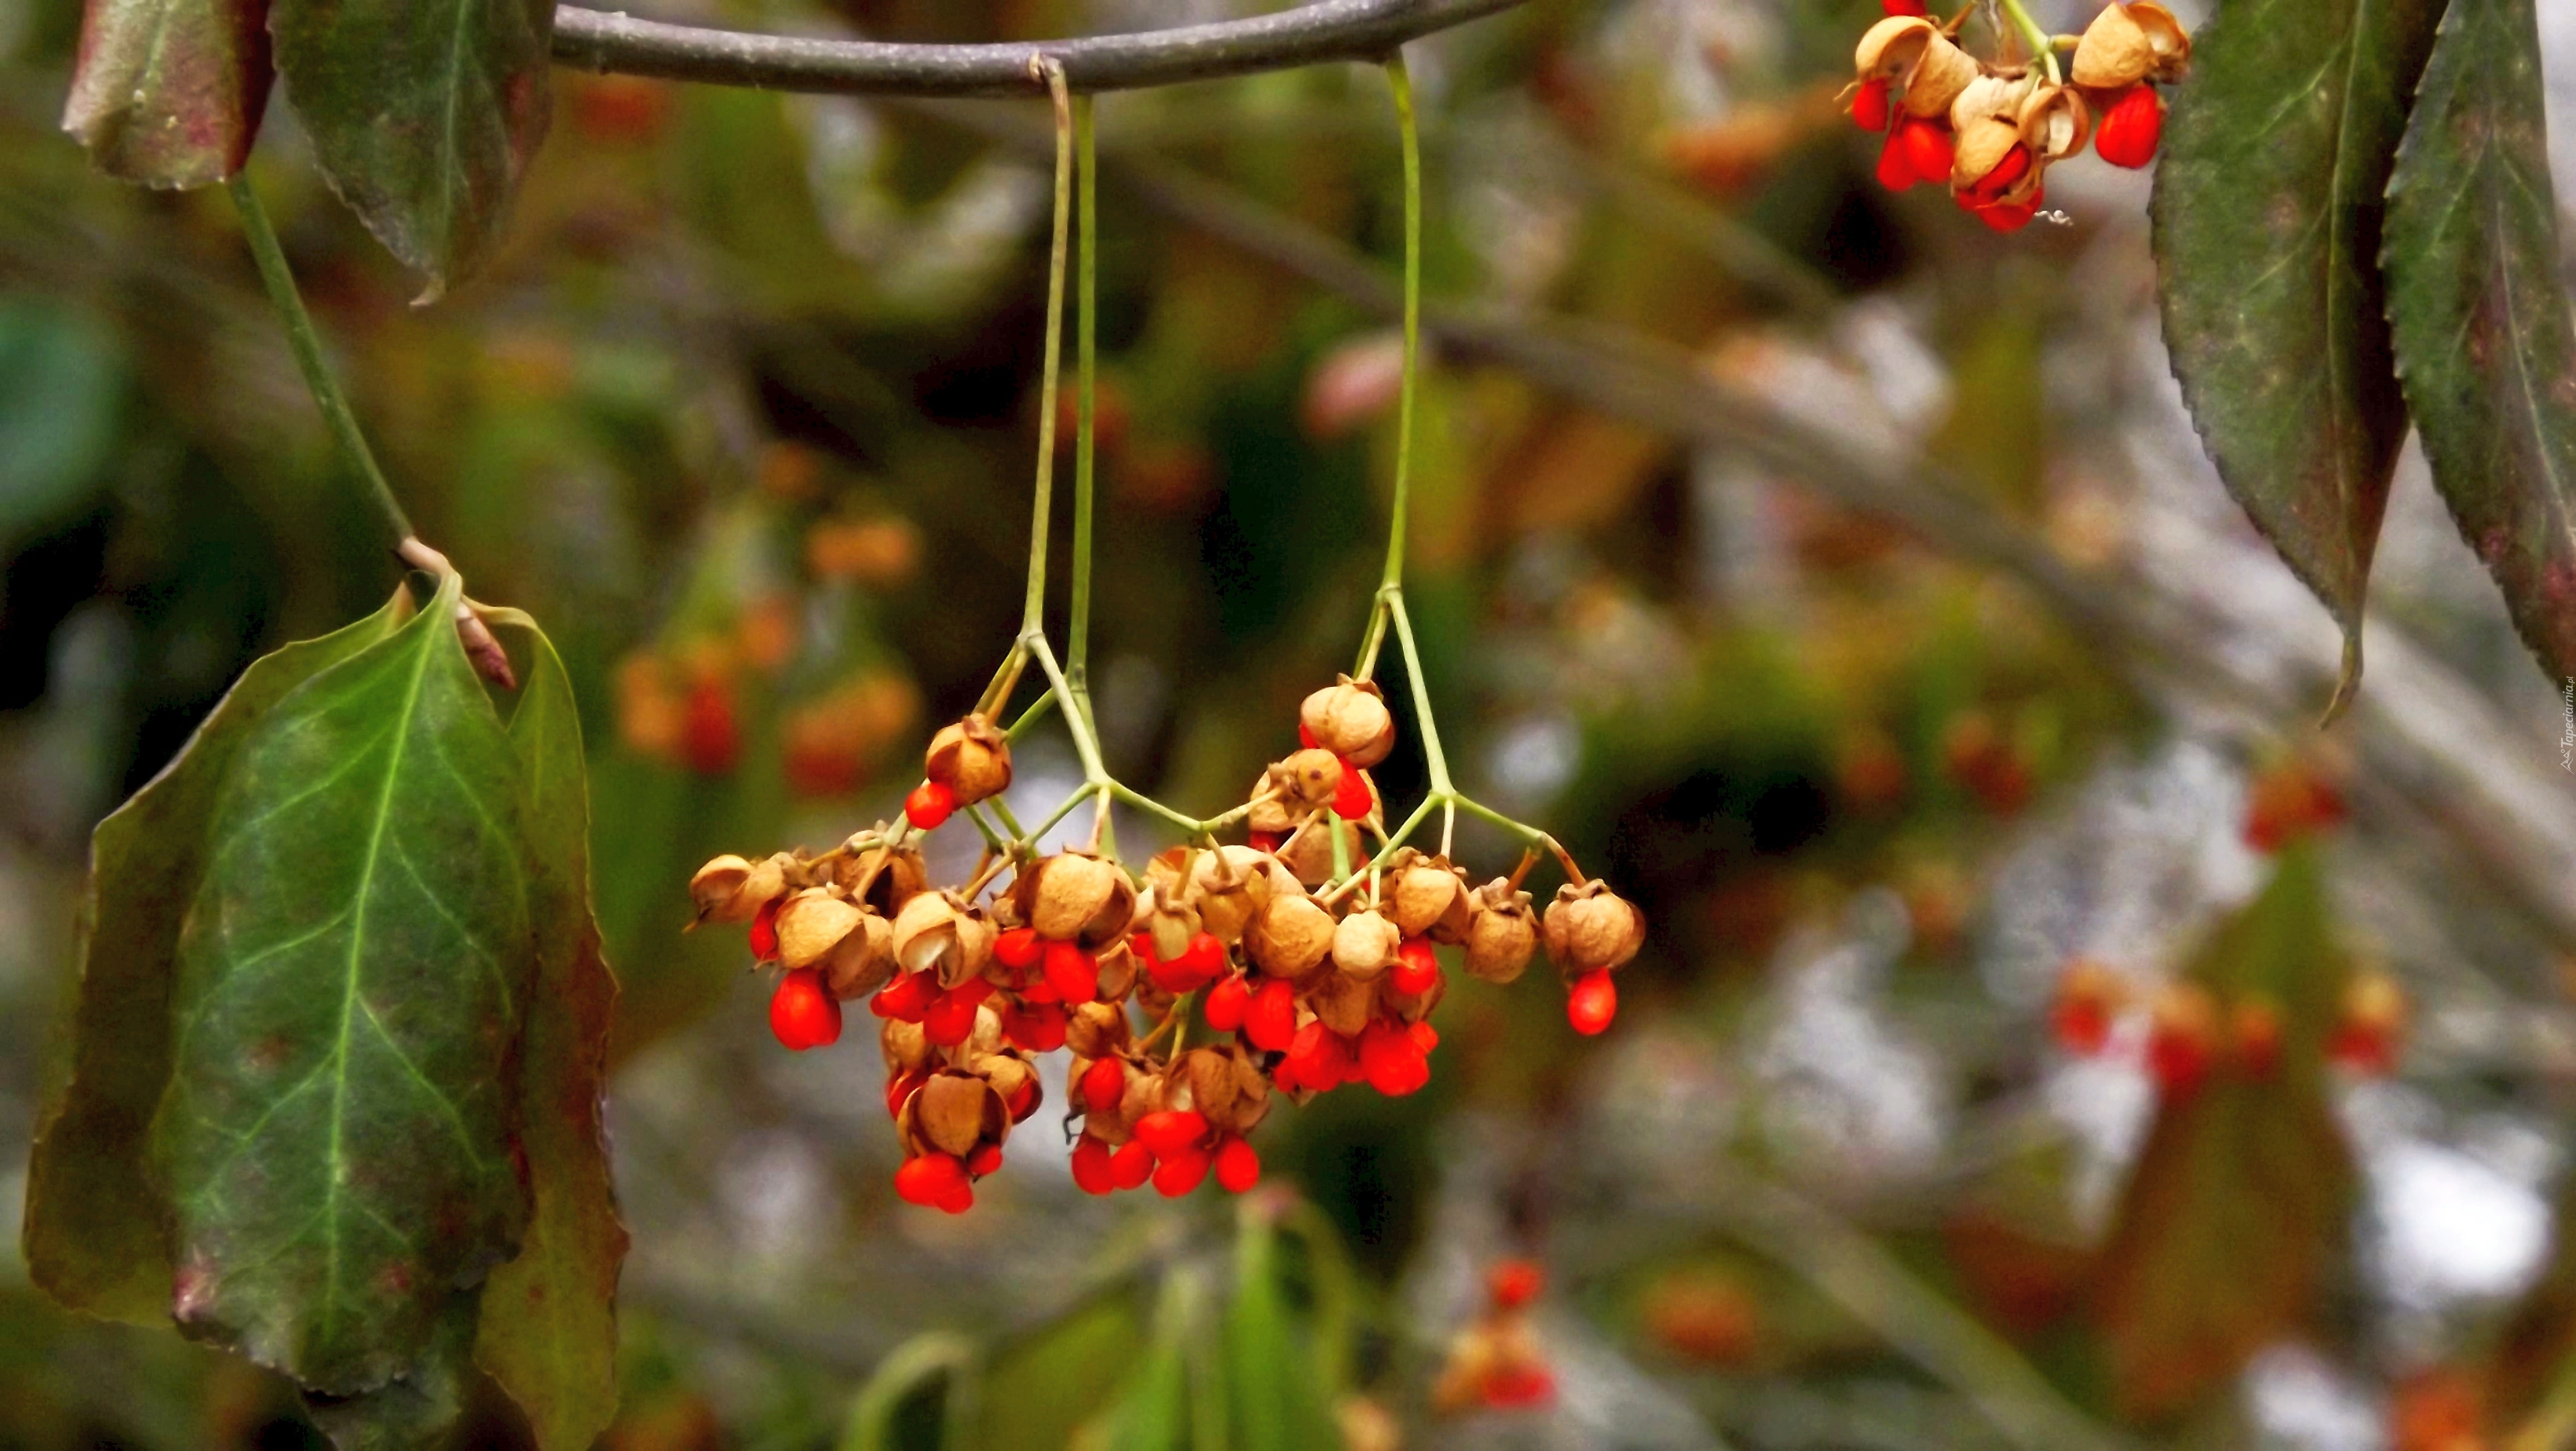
x=1990 y=130
x=2192 y=1033
x=1314 y=964
x=1495 y=1362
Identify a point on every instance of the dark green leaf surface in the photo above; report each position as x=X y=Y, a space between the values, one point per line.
x=418 y=1408
x=549 y=1330
x=2268 y=210
x=93 y=1235
x=2242 y=1196
x=423 y=113
x=2484 y=343
x=336 y=1143
x=170 y=91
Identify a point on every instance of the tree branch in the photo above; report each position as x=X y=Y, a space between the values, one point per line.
x=1334 y=30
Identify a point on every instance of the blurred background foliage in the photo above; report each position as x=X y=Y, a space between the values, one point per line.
x=744 y=412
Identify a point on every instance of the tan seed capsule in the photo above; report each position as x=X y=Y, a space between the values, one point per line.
x=1291 y=936
x=1013 y=1080
x=935 y=932
x=2055 y=123
x=906 y=1046
x=1308 y=855
x=1589 y=927
x=2130 y=43
x=1501 y=934
x=1363 y=944
x=1982 y=146
x=1990 y=97
x=862 y=961
x=1096 y=1030
x=1228 y=886
x=972 y=758
x=1272 y=813
x=1307 y=779
x=1076 y=897
x=1911 y=53
x=716 y=887
x=1118 y=968
x=899 y=877
x=811 y=924
x=1430 y=898
x=956 y=1113
x=1344 y=1003
x=1350 y=719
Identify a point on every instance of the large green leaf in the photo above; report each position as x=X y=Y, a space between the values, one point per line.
x=922 y=1395
x=2242 y=1196
x=170 y=91
x=549 y=1330
x=93 y=1234
x=1278 y=1389
x=424 y=114
x=2484 y=343
x=2268 y=209
x=336 y=1145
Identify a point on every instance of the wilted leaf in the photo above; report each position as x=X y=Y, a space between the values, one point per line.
x=549 y=1327
x=336 y=1143
x=2267 y=230
x=2480 y=316
x=170 y=92
x=93 y=1235
x=2242 y=1195
x=424 y=114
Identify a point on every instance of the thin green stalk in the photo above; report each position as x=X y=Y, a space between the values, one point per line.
x=2034 y=37
x=1077 y=656
x=992 y=835
x=1084 y=744
x=1036 y=712
x=1402 y=84
x=1142 y=802
x=1064 y=809
x=1439 y=764
x=1033 y=612
x=307 y=344
x=1010 y=823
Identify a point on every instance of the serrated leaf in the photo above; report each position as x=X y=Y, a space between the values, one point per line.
x=549 y=1324
x=424 y=114
x=2243 y=1193
x=336 y=1143
x=170 y=92
x=2268 y=209
x=93 y=1236
x=2484 y=344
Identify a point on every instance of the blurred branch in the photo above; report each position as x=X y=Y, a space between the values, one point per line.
x=1335 y=30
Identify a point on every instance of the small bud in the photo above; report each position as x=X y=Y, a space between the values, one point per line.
x=1363 y=944
x=1430 y=899
x=1305 y=780
x=1227 y=886
x=2130 y=43
x=972 y=758
x=1502 y=932
x=936 y=932
x=1589 y=927
x=811 y=924
x=2370 y=1027
x=1350 y=719
x=863 y=960
x=1290 y=937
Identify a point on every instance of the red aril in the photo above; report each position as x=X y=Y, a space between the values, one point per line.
x=1072 y=972
x=1018 y=949
x=764 y=931
x=1227 y=1003
x=929 y=804
x=906 y=998
x=1091 y=1171
x=1417 y=968
x=1395 y=1064
x=1271 y=1020
x=1103 y=1084
x=1238 y=1168
x=930 y=1179
x=1514 y=1282
x=1593 y=1003
x=1132 y=1165
x=802 y=1013
x=1180 y=1173
x=1352 y=799
x=2132 y=128
x=1869 y=106
x=1171 y=1131
x=1929 y=148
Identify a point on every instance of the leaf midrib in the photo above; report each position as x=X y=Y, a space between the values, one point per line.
x=338 y=1161
x=2345 y=417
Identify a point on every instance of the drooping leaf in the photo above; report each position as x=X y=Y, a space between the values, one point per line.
x=336 y=1145
x=93 y=1236
x=2268 y=210
x=549 y=1327
x=1159 y=1408
x=170 y=92
x=2484 y=344
x=1037 y=1392
x=921 y=1398
x=424 y=114
x=2243 y=1193
x=59 y=387
x=1278 y=1392
x=415 y=1409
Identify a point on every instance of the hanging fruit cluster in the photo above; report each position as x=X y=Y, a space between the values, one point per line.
x=1311 y=965
x=1990 y=129
x=2192 y=1032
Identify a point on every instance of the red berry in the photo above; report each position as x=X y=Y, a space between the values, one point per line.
x=1417 y=969
x=906 y=998
x=1034 y=1027
x=764 y=931
x=1072 y=972
x=1904 y=7
x=1318 y=1056
x=2132 y=128
x=1514 y=1282
x=1018 y=949
x=1425 y=1034
x=1593 y=1003
x=1869 y=106
x=1271 y=1021
x=1238 y=1168
x=2005 y=791
x=984 y=1160
x=1104 y=1083
x=929 y=805
x=1353 y=799
x=1929 y=148
x=710 y=736
x=1264 y=841
x=1091 y=1171
x=930 y=1179
x=900 y=1089
x=1180 y=1173
x=1171 y=1131
x=1205 y=956
x=1305 y=737
x=1227 y=1003
x=1999 y=178
x=1514 y=1387
x=1895 y=164
x=951 y=1020
x=1132 y=1165
x=802 y=1013
x=1394 y=1063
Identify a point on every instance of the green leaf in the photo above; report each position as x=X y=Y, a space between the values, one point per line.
x=336 y=1144
x=93 y=1235
x=2268 y=208
x=413 y=1410
x=170 y=92
x=424 y=114
x=1036 y=1392
x=922 y=1395
x=2242 y=1197
x=1277 y=1388
x=2484 y=344
x=1158 y=1409
x=60 y=384
x=549 y=1327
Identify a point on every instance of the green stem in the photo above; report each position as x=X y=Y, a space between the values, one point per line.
x=1084 y=744
x=1438 y=763
x=307 y=344
x=1142 y=802
x=1036 y=712
x=1402 y=84
x=2034 y=37
x=992 y=836
x=1032 y=613
x=1080 y=794
x=1077 y=659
